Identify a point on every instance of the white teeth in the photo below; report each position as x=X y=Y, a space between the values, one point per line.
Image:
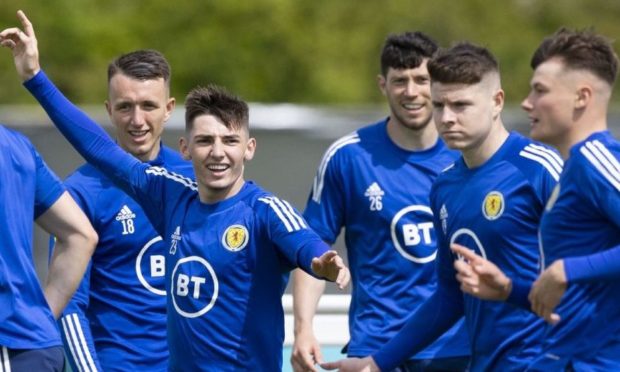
x=217 y=167
x=412 y=106
x=138 y=133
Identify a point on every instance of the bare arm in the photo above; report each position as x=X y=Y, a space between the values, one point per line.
x=75 y=244
x=306 y=294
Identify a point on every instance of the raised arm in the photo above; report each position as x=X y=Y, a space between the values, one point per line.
x=86 y=136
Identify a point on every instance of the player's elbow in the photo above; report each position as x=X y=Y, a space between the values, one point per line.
x=83 y=237
x=89 y=238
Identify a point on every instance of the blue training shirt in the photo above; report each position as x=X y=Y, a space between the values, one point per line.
x=227 y=263
x=583 y=218
x=379 y=193
x=27 y=189
x=495 y=210
x=116 y=321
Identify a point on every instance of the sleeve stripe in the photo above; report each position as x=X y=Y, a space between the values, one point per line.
x=551 y=155
x=605 y=152
x=287 y=217
x=602 y=163
x=159 y=171
x=296 y=216
x=5 y=366
x=77 y=343
x=317 y=186
x=543 y=161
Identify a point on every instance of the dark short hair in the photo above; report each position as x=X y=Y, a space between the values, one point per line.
x=143 y=64
x=216 y=101
x=580 y=50
x=463 y=63
x=406 y=50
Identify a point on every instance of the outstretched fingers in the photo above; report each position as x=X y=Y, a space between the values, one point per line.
x=26 y=24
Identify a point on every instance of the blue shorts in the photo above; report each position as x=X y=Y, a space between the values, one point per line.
x=30 y=360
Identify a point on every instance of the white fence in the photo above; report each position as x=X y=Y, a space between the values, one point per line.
x=331 y=325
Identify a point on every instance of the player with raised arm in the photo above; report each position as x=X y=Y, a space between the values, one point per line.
x=230 y=243
x=117 y=319
x=29 y=339
x=490 y=201
x=375 y=183
x=574 y=74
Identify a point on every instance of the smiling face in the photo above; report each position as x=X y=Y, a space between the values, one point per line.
x=408 y=92
x=218 y=154
x=551 y=101
x=138 y=109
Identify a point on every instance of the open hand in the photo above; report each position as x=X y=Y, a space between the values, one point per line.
x=331 y=267
x=23 y=44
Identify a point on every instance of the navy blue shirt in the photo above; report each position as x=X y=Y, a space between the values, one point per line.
x=27 y=189
x=116 y=320
x=493 y=209
x=581 y=219
x=227 y=263
x=379 y=193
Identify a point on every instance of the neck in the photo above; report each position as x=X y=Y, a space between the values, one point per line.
x=482 y=151
x=579 y=131
x=412 y=139
x=211 y=195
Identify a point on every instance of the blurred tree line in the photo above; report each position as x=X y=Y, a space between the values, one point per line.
x=317 y=52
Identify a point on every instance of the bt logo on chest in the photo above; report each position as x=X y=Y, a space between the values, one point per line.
x=413 y=234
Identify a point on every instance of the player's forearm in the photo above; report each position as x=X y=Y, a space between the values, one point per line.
x=310 y=250
x=433 y=318
x=71 y=256
x=518 y=295
x=306 y=294
x=603 y=265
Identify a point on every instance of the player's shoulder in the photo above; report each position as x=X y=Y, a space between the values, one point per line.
x=172 y=178
x=174 y=161
x=15 y=142
x=534 y=158
x=12 y=135
x=267 y=206
x=598 y=155
x=87 y=177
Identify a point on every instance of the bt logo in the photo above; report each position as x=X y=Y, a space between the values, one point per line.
x=194 y=287
x=151 y=266
x=413 y=234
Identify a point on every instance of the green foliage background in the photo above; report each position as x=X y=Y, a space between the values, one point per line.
x=318 y=52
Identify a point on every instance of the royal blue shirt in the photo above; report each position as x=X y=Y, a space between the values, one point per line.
x=581 y=219
x=379 y=193
x=493 y=209
x=116 y=321
x=227 y=263
x=27 y=189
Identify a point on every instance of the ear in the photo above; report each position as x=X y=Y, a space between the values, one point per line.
x=250 y=149
x=170 y=105
x=108 y=107
x=583 y=97
x=184 y=148
x=498 y=102
x=381 y=82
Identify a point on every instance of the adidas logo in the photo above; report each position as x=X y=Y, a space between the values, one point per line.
x=176 y=235
x=176 y=238
x=443 y=212
x=125 y=214
x=374 y=190
x=443 y=217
